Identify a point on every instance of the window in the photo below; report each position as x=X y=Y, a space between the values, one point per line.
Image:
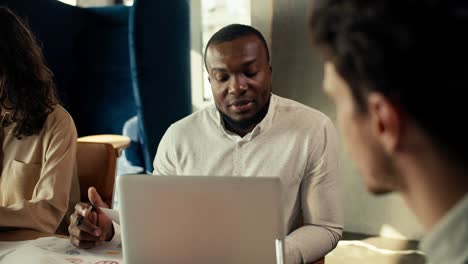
x=208 y=16
x=88 y=3
x=69 y=2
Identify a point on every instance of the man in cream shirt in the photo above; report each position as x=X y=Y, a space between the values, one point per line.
x=251 y=132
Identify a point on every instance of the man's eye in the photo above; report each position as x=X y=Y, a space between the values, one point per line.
x=250 y=74
x=221 y=78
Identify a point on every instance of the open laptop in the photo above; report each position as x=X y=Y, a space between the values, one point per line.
x=201 y=219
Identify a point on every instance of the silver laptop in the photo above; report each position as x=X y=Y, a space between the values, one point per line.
x=201 y=219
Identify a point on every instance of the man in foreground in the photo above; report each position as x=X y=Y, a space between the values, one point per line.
x=397 y=72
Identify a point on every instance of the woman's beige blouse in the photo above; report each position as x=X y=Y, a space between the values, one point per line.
x=37 y=175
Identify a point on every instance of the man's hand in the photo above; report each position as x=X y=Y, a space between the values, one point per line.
x=89 y=227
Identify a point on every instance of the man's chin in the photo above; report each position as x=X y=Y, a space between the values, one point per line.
x=242 y=114
x=242 y=117
x=240 y=120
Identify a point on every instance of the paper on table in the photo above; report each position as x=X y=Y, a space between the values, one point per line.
x=54 y=250
x=7 y=247
x=112 y=214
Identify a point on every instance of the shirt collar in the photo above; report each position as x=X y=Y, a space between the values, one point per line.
x=446 y=243
x=261 y=127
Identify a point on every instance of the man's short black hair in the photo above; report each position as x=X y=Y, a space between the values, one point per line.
x=235 y=31
x=415 y=52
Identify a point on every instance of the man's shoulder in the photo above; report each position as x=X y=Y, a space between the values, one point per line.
x=288 y=108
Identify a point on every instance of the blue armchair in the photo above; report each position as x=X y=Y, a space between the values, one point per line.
x=112 y=63
x=160 y=61
x=87 y=49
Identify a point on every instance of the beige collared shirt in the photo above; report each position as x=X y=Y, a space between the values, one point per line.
x=448 y=240
x=37 y=174
x=293 y=142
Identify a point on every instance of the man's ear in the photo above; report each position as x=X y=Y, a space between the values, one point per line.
x=386 y=121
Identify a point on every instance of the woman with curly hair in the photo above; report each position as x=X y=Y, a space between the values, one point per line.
x=38 y=177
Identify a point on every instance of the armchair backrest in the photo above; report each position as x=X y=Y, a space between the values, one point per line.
x=160 y=64
x=96 y=163
x=87 y=50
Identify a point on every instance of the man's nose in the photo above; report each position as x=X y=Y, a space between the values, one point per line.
x=238 y=86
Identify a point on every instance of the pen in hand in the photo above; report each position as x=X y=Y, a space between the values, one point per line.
x=86 y=212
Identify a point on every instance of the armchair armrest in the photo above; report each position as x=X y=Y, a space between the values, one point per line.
x=118 y=142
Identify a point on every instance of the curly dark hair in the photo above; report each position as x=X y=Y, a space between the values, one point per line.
x=414 y=52
x=27 y=88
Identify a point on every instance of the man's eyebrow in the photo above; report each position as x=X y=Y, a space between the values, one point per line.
x=249 y=62
x=221 y=69
x=218 y=69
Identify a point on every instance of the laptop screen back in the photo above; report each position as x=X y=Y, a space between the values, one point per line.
x=200 y=219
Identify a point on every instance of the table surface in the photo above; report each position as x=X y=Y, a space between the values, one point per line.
x=23 y=234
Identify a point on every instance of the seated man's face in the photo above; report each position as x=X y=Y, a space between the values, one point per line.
x=240 y=77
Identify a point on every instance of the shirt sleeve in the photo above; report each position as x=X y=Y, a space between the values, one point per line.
x=165 y=159
x=49 y=201
x=321 y=201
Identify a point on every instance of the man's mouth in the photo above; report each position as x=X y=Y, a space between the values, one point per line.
x=241 y=102
x=242 y=105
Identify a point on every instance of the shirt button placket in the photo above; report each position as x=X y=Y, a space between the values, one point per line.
x=237 y=165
